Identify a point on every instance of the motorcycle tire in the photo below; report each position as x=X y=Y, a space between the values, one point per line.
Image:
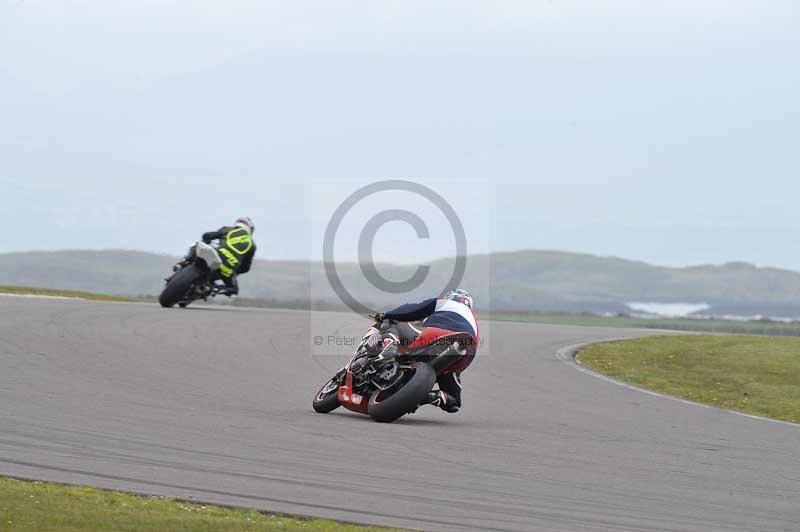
x=327 y=400
x=392 y=404
x=178 y=285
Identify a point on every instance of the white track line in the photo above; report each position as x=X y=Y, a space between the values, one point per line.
x=567 y=355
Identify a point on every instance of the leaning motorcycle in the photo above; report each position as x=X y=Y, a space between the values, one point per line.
x=194 y=279
x=388 y=392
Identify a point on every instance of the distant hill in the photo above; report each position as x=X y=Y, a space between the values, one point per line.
x=524 y=280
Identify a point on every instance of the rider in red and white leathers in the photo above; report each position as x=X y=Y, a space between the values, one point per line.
x=453 y=313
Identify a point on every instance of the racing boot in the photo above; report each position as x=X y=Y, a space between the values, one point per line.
x=443 y=400
x=228 y=288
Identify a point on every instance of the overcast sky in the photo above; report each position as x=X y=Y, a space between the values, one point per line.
x=665 y=132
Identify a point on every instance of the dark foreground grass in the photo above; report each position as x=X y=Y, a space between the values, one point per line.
x=754 y=374
x=40 y=507
x=30 y=291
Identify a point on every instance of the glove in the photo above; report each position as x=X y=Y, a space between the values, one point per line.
x=375 y=338
x=378 y=317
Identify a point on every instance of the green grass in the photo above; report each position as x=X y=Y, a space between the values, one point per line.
x=40 y=507
x=754 y=374
x=769 y=328
x=26 y=290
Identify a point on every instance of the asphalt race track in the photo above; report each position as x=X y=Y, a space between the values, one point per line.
x=215 y=405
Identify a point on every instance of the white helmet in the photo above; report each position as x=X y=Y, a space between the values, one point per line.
x=246 y=221
x=460 y=295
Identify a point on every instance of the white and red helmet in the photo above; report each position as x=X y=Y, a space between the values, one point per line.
x=247 y=222
x=461 y=296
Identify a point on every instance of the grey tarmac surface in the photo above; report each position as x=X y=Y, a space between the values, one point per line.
x=215 y=405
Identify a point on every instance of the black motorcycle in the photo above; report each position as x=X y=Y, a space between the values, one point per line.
x=194 y=278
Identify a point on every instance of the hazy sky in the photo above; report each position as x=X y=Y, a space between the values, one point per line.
x=665 y=132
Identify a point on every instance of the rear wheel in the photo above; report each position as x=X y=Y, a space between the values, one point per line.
x=178 y=285
x=405 y=396
x=327 y=398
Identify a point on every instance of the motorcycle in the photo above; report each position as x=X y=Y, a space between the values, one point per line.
x=194 y=278
x=387 y=392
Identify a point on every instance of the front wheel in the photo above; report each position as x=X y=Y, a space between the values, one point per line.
x=327 y=398
x=178 y=285
x=405 y=396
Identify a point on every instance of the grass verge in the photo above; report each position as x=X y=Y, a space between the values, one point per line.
x=759 y=327
x=754 y=374
x=39 y=506
x=29 y=291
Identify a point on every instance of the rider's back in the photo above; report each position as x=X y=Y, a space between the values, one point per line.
x=236 y=247
x=440 y=313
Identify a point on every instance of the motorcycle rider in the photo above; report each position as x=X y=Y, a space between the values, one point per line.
x=451 y=313
x=236 y=248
